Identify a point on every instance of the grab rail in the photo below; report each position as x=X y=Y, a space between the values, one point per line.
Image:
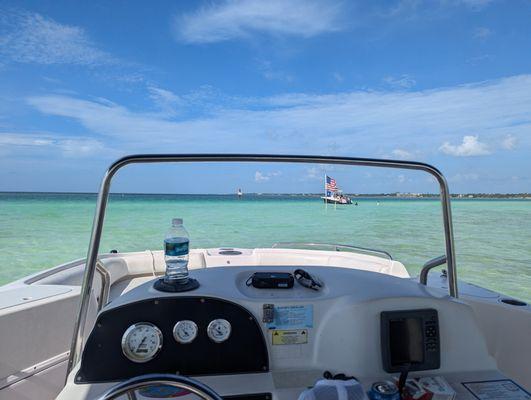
x=103 y=196
x=336 y=246
x=435 y=262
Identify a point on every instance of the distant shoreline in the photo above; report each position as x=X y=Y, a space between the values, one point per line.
x=398 y=195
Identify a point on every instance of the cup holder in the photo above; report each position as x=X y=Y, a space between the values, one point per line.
x=513 y=302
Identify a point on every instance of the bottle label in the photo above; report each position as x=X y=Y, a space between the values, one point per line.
x=175 y=247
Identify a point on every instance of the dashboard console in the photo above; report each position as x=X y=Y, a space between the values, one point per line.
x=183 y=335
x=359 y=323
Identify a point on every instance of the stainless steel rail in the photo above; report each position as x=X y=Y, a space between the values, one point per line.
x=435 y=262
x=336 y=247
x=103 y=196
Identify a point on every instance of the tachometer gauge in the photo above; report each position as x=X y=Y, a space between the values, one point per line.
x=185 y=331
x=219 y=330
x=141 y=342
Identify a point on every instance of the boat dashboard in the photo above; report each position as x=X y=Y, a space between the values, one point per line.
x=363 y=324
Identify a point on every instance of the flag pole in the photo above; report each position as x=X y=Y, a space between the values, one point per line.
x=325 y=199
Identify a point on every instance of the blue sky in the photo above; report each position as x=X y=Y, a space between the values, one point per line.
x=443 y=81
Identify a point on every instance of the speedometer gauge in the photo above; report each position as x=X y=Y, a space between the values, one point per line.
x=141 y=342
x=219 y=330
x=185 y=331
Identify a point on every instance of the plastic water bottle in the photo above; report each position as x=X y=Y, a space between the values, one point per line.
x=176 y=249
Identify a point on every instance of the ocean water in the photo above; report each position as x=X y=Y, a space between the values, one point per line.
x=493 y=237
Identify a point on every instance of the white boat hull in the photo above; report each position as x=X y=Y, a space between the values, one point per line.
x=37 y=313
x=335 y=200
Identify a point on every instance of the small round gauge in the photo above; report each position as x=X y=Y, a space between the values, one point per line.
x=219 y=330
x=141 y=342
x=185 y=331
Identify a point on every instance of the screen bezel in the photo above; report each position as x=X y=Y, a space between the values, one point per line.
x=430 y=359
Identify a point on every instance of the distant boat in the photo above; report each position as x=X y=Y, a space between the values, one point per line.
x=240 y=193
x=334 y=195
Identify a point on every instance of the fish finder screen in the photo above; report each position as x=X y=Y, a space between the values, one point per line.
x=406 y=341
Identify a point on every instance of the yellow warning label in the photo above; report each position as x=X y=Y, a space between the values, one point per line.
x=293 y=336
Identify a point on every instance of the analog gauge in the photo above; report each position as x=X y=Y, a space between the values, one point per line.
x=141 y=342
x=185 y=331
x=219 y=330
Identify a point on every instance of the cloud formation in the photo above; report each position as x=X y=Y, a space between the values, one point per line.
x=400 y=82
x=402 y=154
x=471 y=146
x=273 y=74
x=509 y=142
x=464 y=177
x=31 y=38
x=68 y=147
x=356 y=122
x=235 y=19
x=265 y=176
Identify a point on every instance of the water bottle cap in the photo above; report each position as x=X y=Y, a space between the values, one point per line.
x=177 y=221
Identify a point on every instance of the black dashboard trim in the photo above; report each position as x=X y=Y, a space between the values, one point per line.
x=244 y=352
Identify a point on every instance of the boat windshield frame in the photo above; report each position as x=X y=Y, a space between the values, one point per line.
x=103 y=197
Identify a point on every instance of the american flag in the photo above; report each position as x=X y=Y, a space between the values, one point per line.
x=331 y=184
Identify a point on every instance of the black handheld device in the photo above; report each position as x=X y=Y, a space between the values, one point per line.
x=271 y=280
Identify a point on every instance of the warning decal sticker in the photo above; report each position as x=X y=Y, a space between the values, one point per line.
x=292 y=317
x=504 y=389
x=294 y=336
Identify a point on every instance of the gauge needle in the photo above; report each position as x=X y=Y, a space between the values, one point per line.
x=141 y=343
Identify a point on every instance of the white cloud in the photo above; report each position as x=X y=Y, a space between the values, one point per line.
x=165 y=100
x=233 y=19
x=359 y=121
x=464 y=177
x=265 y=176
x=400 y=82
x=401 y=178
x=509 y=142
x=470 y=146
x=260 y=177
x=402 y=154
x=67 y=146
x=482 y=33
x=163 y=96
x=273 y=74
x=32 y=38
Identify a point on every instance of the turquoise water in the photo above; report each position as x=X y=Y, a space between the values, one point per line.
x=493 y=237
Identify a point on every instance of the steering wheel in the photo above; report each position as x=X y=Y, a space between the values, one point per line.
x=176 y=381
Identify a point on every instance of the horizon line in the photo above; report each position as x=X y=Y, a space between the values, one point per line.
x=270 y=193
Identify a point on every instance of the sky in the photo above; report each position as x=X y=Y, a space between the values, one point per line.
x=446 y=82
